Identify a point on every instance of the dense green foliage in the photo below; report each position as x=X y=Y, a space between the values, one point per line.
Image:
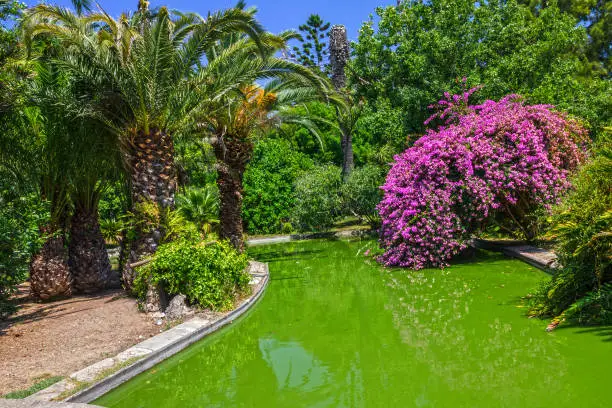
x=318 y=201
x=269 y=193
x=582 y=226
x=209 y=275
x=421 y=48
x=195 y=162
x=596 y=17
x=361 y=193
x=325 y=148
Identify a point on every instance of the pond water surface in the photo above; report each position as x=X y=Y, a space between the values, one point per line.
x=336 y=330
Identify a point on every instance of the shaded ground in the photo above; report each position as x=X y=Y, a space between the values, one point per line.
x=58 y=338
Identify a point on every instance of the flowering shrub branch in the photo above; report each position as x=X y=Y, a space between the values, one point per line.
x=496 y=157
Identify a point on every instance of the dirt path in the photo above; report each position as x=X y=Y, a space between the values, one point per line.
x=58 y=338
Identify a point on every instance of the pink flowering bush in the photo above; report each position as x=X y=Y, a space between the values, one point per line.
x=496 y=158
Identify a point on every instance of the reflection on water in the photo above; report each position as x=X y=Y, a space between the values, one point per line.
x=293 y=366
x=336 y=330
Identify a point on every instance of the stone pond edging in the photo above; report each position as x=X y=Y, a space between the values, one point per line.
x=539 y=257
x=99 y=378
x=20 y=403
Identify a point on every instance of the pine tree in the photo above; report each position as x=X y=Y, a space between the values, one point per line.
x=313 y=50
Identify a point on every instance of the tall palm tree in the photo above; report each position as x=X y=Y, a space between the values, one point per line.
x=242 y=111
x=147 y=63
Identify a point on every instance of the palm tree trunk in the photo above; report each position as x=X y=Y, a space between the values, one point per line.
x=50 y=275
x=339 y=52
x=153 y=179
x=87 y=255
x=232 y=157
x=230 y=210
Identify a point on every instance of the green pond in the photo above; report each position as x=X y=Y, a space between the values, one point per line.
x=334 y=329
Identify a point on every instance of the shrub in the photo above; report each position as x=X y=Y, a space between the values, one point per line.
x=19 y=239
x=318 y=202
x=209 y=275
x=581 y=226
x=361 y=193
x=269 y=193
x=497 y=157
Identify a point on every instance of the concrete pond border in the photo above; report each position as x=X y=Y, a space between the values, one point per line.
x=539 y=257
x=92 y=382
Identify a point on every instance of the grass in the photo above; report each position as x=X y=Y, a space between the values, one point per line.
x=40 y=385
x=81 y=385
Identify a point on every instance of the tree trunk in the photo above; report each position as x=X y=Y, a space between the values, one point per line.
x=348 y=162
x=339 y=52
x=153 y=179
x=232 y=158
x=230 y=210
x=49 y=272
x=87 y=255
x=338 y=55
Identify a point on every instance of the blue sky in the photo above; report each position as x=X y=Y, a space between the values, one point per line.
x=275 y=15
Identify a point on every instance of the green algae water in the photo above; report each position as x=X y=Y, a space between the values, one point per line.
x=336 y=330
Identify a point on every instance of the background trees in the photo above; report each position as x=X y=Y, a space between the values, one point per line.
x=419 y=50
x=269 y=194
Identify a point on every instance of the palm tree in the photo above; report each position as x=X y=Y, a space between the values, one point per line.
x=242 y=111
x=78 y=161
x=147 y=63
x=348 y=113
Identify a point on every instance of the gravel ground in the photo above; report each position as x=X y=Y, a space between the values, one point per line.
x=59 y=338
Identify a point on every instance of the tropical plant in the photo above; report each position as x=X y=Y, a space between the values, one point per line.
x=77 y=159
x=269 y=194
x=200 y=206
x=582 y=229
x=348 y=113
x=498 y=157
x=147 y=64
x=242 y=116
x=318 y=201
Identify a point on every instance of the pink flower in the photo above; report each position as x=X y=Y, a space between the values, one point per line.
x=482 y=160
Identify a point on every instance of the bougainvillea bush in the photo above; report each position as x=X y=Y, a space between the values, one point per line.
x=499 y=157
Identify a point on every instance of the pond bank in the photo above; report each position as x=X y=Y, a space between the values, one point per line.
x=46 y=340
x=93 y=381
x=541 y=258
